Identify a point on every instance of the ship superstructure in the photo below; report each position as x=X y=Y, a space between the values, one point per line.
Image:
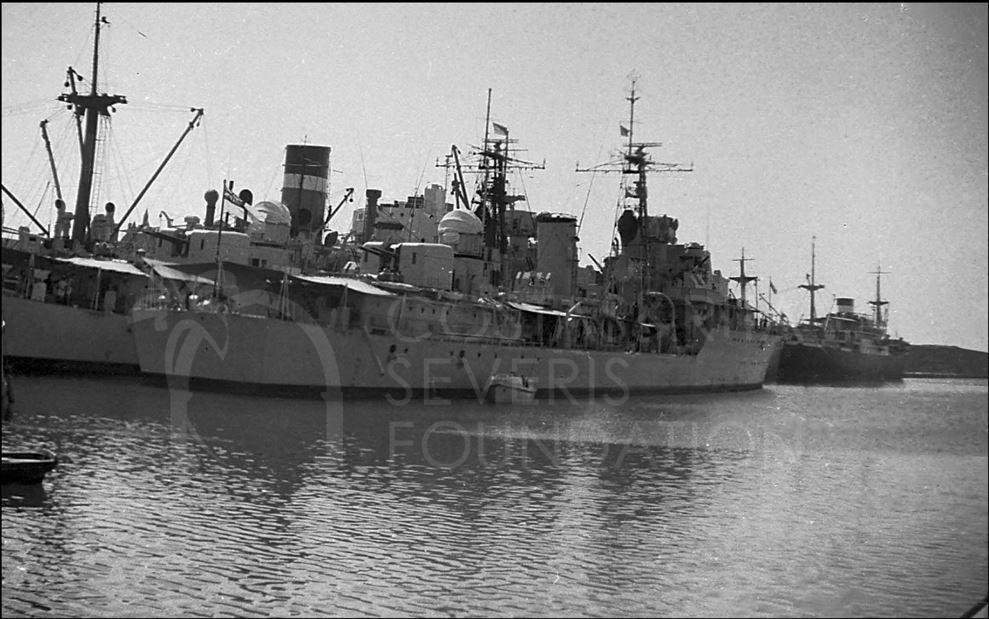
x=289 y=235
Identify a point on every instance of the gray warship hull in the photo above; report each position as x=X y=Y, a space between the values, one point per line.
x=201 y=349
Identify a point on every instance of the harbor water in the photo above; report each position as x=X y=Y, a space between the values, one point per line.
x=790 y=500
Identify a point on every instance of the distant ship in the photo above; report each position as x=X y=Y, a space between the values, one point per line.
x=498 y=291
x=842 y=345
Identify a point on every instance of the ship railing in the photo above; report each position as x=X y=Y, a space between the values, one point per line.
x=473 y=338
x=377 y=329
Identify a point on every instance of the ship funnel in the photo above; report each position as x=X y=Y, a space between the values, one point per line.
x=845 y=305
x=307 y=169
x=556 y=254
x=211 y=197
x=370 y=212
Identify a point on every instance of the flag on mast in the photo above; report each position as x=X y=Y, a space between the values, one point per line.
x=772 y=287
x=231 y=197
x=623 y=130
x=499 y=129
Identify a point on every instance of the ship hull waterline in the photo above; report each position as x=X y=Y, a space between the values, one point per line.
x=807 y=363
x=204 y=350
x=50 y=337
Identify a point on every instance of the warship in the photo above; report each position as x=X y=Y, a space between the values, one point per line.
x=497 y=291
x=842 y=345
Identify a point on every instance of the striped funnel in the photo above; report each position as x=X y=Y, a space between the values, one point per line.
x=305 y=187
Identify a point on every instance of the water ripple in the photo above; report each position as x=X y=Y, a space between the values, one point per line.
x=789 y=501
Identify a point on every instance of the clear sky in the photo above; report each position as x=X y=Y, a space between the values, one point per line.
x=864 y=125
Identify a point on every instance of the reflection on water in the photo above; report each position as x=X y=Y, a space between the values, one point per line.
x=785 y=501
x=23 y=495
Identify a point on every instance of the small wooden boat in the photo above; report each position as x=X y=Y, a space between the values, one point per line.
x=27 y=467
x=510 y=389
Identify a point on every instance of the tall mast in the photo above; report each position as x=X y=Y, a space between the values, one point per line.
x=494 y=184
x=636 y=162
x=742 y=279
x=631 y=98
x=91 y=106
x=486 y=195
x=812 y=286
x=487 y=121
x=494 y=160
x=879 y=303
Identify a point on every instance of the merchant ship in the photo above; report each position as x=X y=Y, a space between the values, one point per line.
x=842 y=345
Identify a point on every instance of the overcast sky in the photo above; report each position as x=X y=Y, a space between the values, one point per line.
x=864 y=125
